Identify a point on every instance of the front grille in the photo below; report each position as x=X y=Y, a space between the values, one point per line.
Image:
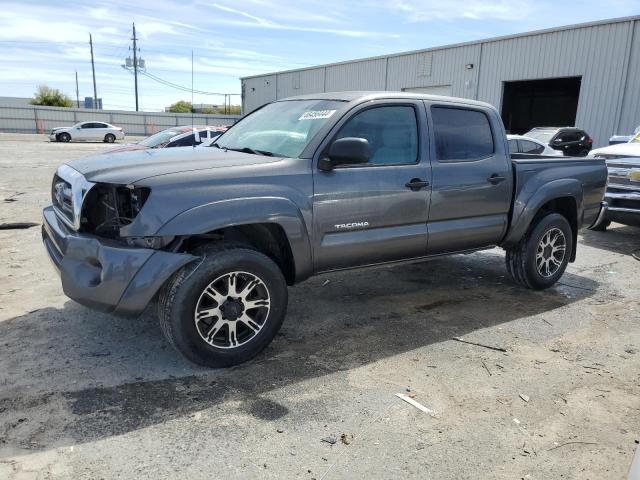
x=62 y=197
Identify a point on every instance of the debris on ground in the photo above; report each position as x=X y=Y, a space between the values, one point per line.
x=326 y=282
x=11 y=198
x=17 y=225
x=279 y=430
x=346 y=439
x=498 y=349
x=104 y=353
x=418 y=405
x=524 y=397
x=331 y=440
x=571 y=443
x=516 y=421
x=486 y=368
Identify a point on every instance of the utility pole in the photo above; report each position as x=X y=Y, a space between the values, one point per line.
x=135 y=63
x=77 y=91
x=93 y=70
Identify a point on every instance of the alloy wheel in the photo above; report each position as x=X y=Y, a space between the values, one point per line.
x=550 y=252
x=232 y=309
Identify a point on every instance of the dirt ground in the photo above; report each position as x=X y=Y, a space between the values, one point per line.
x=86 y=395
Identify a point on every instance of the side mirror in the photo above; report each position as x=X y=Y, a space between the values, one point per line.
x=349 y=151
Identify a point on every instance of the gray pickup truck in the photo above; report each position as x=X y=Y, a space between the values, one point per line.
x=302 y=186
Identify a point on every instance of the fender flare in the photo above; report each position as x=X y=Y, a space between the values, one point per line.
x=244 y=211
x=528 y=203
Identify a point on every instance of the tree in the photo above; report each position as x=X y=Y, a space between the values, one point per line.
x=181 y=107
x=51 y=97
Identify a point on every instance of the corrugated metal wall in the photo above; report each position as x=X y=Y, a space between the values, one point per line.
x=36 y=119
x=597 y=54
x=606 y=55
x=630 y=109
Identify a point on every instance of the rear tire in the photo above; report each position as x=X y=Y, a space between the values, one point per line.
x=204 y=309
x=542 y=255
x=64 y=137
x=109 y=138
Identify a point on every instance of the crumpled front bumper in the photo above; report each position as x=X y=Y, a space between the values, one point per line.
x=106 y=275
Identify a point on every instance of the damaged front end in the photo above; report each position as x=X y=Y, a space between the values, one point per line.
x=99 y=266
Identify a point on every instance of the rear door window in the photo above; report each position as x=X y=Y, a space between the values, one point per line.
x=186 y=141
x=527 y=146
x=461 y=134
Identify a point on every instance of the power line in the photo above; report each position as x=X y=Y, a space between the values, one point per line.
x=181 y=87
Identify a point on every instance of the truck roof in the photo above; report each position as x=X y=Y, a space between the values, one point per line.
x=363 y=95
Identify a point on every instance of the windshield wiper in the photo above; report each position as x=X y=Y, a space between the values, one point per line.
x=251 y=151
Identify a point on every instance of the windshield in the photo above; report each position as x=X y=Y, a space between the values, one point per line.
x=160 y=137
x=543 y=136
x=283 y=129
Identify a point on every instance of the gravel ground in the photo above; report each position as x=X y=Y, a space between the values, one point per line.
x=86 y=395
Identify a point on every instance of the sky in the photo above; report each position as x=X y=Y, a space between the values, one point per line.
x=45 y=42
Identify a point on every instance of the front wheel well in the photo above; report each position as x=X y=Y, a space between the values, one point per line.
x=568 y=208
x=267 y=238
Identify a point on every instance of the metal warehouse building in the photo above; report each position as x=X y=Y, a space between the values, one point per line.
x=586 y=75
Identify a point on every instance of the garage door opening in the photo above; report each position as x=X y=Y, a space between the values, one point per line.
x=540 y=103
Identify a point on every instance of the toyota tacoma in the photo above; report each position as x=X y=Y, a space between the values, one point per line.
x=302 y=186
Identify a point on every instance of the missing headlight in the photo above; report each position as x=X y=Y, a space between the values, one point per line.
x=107 y=208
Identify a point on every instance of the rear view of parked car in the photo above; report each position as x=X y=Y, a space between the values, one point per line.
x=531 y=146
x=87 y=131
x=571 y=141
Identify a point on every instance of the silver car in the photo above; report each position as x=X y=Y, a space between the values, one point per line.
x=87 y=131
x=522 y=144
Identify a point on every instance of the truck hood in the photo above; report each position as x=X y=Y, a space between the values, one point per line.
x=131 y=167
x=621 y=149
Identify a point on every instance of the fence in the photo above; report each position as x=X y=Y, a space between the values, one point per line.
x=37 y=119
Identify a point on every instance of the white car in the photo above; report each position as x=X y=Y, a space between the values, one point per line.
x=522 y=144
x=619 y=150
x=87 y=131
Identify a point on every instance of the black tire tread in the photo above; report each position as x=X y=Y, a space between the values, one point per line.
x=516 y=257
x=167 y=295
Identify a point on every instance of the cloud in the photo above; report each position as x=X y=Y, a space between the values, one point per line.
x=260 y=22
x=430 y=10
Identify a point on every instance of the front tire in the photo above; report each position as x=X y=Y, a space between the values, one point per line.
x=225 y=309
x=541 y=257
x=109 y=138
x=64 y=137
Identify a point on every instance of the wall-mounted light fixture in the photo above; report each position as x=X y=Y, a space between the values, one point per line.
x=469 y=66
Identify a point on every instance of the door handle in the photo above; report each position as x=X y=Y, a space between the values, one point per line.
x=495 y=179
x=416 y=184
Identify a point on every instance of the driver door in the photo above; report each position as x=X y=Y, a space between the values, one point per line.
x=376 y=211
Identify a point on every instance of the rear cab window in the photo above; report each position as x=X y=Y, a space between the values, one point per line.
x=461 y=134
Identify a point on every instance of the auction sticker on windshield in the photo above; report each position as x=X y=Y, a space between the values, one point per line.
x=316 y=114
